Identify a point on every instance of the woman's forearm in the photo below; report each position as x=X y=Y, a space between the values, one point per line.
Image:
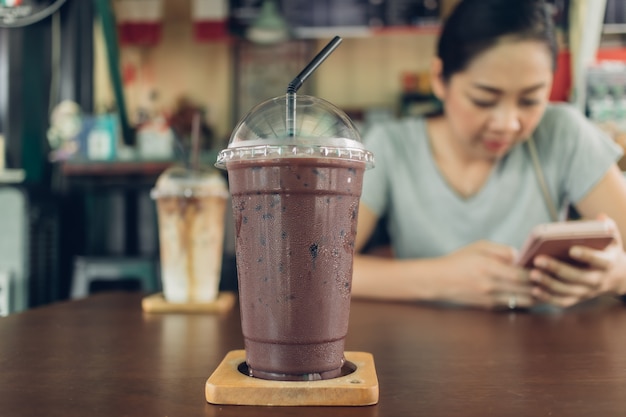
x=394 y=279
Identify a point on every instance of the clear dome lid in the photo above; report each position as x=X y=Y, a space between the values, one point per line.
x=320 y=130
x=178 y=181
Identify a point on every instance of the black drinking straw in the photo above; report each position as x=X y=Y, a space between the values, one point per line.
x=296 y=83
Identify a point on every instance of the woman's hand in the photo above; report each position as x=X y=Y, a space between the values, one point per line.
x=483 y=274
x=564 y=285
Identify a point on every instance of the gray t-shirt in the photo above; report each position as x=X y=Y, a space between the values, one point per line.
x=426 y=218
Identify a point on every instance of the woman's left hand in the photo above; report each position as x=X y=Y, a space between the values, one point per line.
x=564 y=285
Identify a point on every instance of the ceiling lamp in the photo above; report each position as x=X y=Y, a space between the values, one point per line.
x=269 y=27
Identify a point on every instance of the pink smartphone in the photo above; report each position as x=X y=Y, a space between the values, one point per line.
x=555 y=240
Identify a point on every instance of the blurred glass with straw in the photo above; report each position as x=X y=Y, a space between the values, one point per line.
x=191 y=205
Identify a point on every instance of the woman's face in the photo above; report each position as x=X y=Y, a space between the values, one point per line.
x=499 y=99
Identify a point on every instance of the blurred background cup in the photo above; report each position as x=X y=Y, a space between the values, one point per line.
x=191 y=206
x=295 y=194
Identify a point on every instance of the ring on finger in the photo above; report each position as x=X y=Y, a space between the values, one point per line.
x=512 y=303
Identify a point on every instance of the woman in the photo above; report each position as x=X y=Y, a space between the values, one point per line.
x=459 y=189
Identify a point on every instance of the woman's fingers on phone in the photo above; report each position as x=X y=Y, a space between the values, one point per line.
x=593 y=258
x=546 y=283
x=564 y=293
x=566 y=274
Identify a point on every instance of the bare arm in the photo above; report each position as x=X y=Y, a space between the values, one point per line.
x=367 y=280
x=607 y=197
x=365 y=227
x=480 y=274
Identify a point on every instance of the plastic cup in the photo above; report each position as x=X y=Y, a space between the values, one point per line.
x=190 y=208
x=295 y=204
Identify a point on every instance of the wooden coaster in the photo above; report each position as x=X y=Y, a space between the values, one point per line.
x=156 y=303
x=229 y=386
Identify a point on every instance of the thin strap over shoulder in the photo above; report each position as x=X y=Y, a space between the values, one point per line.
x=554 y=214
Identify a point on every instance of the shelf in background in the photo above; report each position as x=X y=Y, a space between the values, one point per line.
x=114 y=168
x=432 y=29
x=12 y=176
x=614 y=29
x=363 y=31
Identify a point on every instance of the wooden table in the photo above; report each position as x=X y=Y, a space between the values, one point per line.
x=103 y=356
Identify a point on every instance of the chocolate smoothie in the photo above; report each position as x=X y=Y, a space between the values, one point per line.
x=295 y=171
x=295 y=224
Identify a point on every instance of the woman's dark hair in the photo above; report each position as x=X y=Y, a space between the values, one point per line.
x=476 y=25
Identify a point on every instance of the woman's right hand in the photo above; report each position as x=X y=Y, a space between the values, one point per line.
x=484 y=274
